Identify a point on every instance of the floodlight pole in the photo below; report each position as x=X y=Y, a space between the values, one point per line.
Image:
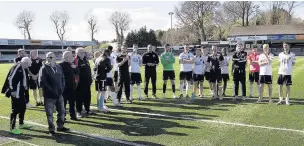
x=171 y=14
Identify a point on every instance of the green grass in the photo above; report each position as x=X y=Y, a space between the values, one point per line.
x=157 y=130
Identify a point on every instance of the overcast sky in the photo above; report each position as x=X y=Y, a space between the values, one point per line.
x=152 y=14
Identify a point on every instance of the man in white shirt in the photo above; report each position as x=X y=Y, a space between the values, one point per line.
x=185 y=76
x=136 y=62
x=287 y=61
x=265 y=62
x=115 y=67
x=198 y=72
x=224 y=70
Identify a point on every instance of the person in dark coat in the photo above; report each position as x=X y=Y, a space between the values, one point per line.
x=69 y=71
x=52 y=81
x=83 y=90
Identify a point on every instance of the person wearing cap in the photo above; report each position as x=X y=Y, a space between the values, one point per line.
x=52 y=81
x=21 y=53
x=150 y=60
x=69 y=72
x=167 y=60
x=84 y=80
x=33 y=76
x=18 y=86
x=239 y=60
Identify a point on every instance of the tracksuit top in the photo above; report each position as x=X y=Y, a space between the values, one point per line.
x=239 y=59
x=150 y=57
x=167 y=60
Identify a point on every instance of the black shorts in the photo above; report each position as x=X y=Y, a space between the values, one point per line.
x=168 y=75
x=207 y=75
x=135 y=78
x=185 y=75
x=100 y=85
x=198 y=77
x=239 y=75
x=215 y=76
x=33 y=84
x=225 y=77
x=254 y=77
x=115 y=76
x=284 y=80
x=109 y=82
x=265 y=79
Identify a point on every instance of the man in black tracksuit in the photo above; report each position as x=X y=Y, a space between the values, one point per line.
x=18 y=86
x=83 y=90
x=239 y=60
x=150 y=61
x=69 y=72
x=123 y=62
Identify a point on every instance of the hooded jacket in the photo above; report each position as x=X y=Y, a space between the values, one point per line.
x=51 y=79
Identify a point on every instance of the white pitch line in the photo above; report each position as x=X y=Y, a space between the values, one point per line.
x=212 y=121
x=81 y=133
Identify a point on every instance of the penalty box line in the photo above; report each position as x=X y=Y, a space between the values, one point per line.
x=209 y=121
x=79 y=133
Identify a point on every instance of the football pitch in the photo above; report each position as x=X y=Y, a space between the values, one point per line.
x=173 y=122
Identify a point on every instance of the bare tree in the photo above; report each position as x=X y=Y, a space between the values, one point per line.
x=24 y=21
x=60 y=21
x=239 y=9
x=196 y=14
x=121 y=22
x=291 y=5
x=92 y=21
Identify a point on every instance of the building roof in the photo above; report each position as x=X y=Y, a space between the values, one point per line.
x=267 y=30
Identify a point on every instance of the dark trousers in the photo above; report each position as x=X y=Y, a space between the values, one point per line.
x=150 y=73
x=83 y=97
x=123 y=81
x=49 y=105
x=69 y=96
x=18 y=107
x=239 y=76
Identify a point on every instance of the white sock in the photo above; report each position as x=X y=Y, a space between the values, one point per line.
x=40 y=94
x=98 y=95
x=281 y=99
x=139 y=90
x=35 y=95
x=258 y=90
x=131 y=91
x=187 y=88
x=114 y=97
x=251 y=88
x=106 y=95
x=181 y=88
x=212 y=92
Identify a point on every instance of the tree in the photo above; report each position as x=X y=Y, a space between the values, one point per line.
x=291 y=5
x=24 y=21
x=142 y=38
x=121 y=22
x=92 y=21
x=60 y=21
x=239 y=10
x=196 y=14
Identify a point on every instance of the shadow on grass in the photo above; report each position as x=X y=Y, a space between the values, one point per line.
x=70 y=138
x=134 y=126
